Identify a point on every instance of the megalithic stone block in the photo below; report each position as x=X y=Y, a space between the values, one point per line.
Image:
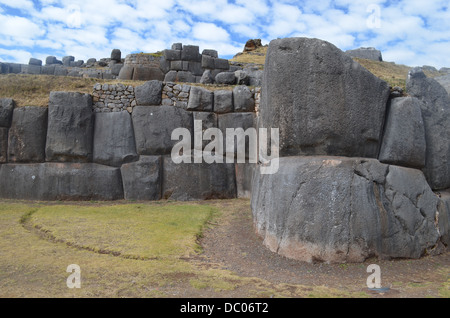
x=6 y=111
x=70 y=127
x=114 y=142
x=60 y=181
x=142 y=179
x=3 y=144
x=153 y=127
x=28 y=134
x=331 y=106
x=198 y=181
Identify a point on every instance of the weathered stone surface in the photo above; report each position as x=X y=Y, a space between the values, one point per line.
x=207 y=62
x=177 y=46
x=404 y=136
x=207 y=78
x=244 y=177
x=221 y=64
x=70 y=127
x=14 y=68
x=115 y=69
x=67 y=59
x=153 y=126
x=235 y=121
x=243 y=99
x=227 y=78
x=60 y=181
x=444 y=217
x=336 y=209
x=116 y=55
x=209 y=52
x=142 y=179
x=223 y=101
x=368 y=53
x=198 y=181
x=6 y=111
x=190 y=53
x=200 y=99
x=31 y=69
x=3 y=144
x=242 y=77
x=48 y=69
x=209 y=120
x=34 y=61
x=150 y=93
x=436 y=117
x=50 y=60
x=332 y=106
x=114 y=139
x=28 y=134
x=444 y=81
x=172 y=55
x=126 y=72
x=60 y=70
x=146 y=73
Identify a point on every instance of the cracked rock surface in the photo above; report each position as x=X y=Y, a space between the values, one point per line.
x=339 y=209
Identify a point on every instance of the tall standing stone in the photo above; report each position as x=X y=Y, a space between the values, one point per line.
x=142 y=179
x=70 y=127
x=436 y=116
x=322 y=101
x=28 y=134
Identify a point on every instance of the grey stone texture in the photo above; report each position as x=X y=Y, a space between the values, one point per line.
x=7 y=106
x=34 y=61
x=200 y=99
x=435 y=108
x=153 y=126
x=70 y=127
x=244 y=179
x=444 y=217
x=116 y=55
x=212 y=181
x=27 y=135
x=243 y=100
x=207 y=78
x=60 y=181
x=237 y=121
x=322 y=101
x=145 y=73
x=114 y=142
x=404 y=136
x=444 y=81
x=368 y=53
x=142 y=179
x=190 y=53
x=67 y=59
x=223 y=101
x=150 y=93
x=3 y=144
x=227 y=78
x=336 y=210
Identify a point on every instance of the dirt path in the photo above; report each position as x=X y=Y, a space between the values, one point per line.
x=233 y=244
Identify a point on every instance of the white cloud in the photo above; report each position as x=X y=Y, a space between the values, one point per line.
x=18 y=4
x=210 y=32
x=15 y=56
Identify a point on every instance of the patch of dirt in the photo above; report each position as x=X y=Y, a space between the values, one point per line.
x=234 y=245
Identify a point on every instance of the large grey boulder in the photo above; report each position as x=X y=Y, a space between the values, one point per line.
x=322 y=101
x=226 y=78
x=243 y=100
x=336 y=209
x=147 y=73
x=28 y=134
x=126 y=72
x=209 y=120
x=48 y=69
x=436 y=117
x=244 y=179
x=6 y=111
x=34 y=61
x=404 y=136
x=60 y=181
x=198 y=181
x=3 y=144
x=116 y=55
x=150 y=93
x=153 y=127
x=200 y=99
x=223 y=101
x=70 y=127
x=114 y=139
x=190 y=53
x=368 y=53
x=67 y=59
x=444 y=81
x=207 y=78
x=142 y=179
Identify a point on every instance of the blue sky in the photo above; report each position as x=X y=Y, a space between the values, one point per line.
x=412 y=32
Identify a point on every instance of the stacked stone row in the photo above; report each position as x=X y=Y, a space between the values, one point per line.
x=68 y=151
x=113 y=98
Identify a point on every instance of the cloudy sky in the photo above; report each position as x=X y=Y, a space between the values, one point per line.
x=412 y=32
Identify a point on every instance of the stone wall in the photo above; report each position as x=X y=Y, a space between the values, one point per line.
x=120 y=97
x=361 y=174
x=117 y=143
